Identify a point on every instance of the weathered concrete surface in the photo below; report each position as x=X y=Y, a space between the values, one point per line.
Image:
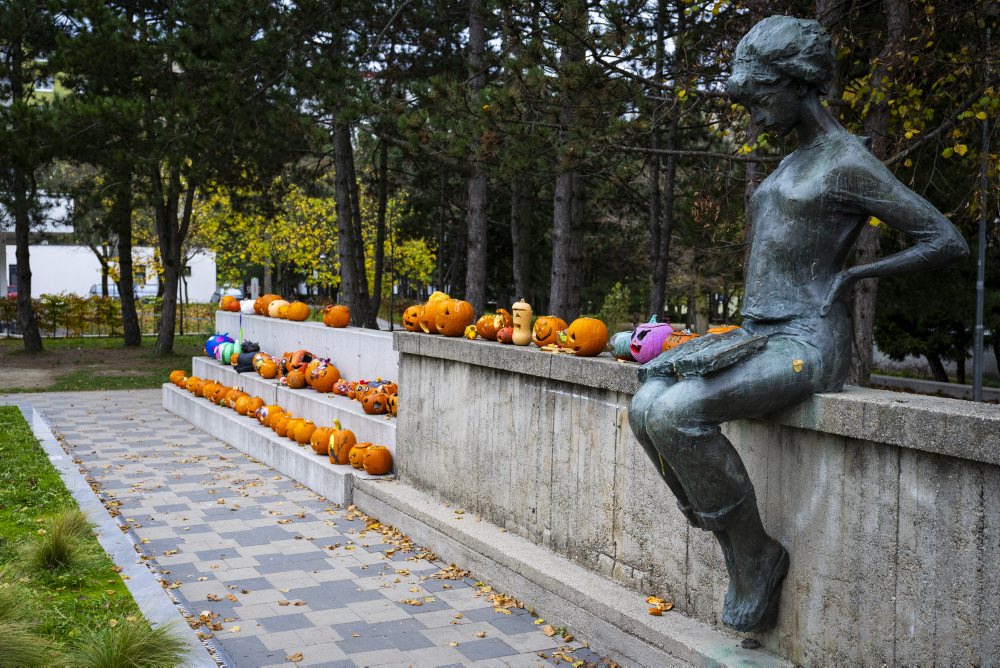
x=614 y=619
x=954 y=390
x=322 y=409
x=297 y=462
x=357 y=353
x=885 y=501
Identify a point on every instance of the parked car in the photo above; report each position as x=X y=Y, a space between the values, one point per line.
x=232 y=292
x=146 y=291
x=95 y=290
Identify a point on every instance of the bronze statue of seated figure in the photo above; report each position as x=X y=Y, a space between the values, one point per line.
x=796 y=335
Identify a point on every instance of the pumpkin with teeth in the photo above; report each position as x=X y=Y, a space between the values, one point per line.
x=357 y=455
x=194 y=385
x=336 y=315
x=546 y=329
x=411 y=318
x=647 y=340
x=452 y=316
x=586 y=337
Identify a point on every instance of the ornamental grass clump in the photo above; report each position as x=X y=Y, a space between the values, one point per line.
x=130 y=643
x=19 y=645
x=58 y=546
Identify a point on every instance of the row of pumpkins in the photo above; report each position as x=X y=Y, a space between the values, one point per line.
x=300 y=369
x=335 y=442
x=273 y=306
x=584 y=337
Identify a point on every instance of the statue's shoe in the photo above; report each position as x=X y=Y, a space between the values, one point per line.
x=760 y=614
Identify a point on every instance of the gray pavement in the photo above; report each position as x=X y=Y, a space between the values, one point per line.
x=277 y=575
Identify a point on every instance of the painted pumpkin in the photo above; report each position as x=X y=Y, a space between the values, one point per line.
x=586 y=337
x=298 y=311
x=304 y=432
x=411 y=318
x=546 y=330
x=176 y=376
x=357 y=455
x=272 y=308
x=505 y=334
x=296 y=379
x=341 y=387
x=378 y=460
x=721 y=329
x=341 y=442
x=336 y=315
x=393 y=402
x=323 y=376
x=265 y=412
x=214 y=342
x=258 y=360
x=647 y=340
x=320 y=440
x=678 y=338
x=268 y=369
x=621 y=346
x=375 y=403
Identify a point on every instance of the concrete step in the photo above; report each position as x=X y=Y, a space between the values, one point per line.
x=322 y=409
x=300 y=463
x=614 y=619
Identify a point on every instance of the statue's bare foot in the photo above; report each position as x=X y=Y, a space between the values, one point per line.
x=755 y=587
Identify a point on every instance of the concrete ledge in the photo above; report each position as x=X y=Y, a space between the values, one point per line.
x=932 y=424
x=954 y=390
x=357 y=353
x=300 y=463
x=322 y=409
x=614 y=619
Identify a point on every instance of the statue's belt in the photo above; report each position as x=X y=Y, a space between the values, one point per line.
x=706 y=354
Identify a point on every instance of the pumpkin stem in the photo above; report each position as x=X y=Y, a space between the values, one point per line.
x=336 y=423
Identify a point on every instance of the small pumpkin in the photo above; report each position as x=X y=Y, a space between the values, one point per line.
x=621 y=346
x=341 y=387
x=253 y=405
x=273 y=306
x=264 y=413
x=323 y=377
x=546 y=330
x=274 y=411
x=176 y=376
x=336 y=315
x=357 y=455
x=233 y=396
x=265 y=304
x=393 y=403
x=304 y=432
x=269 y=369
x=452 y=316
x=208 y=389
x=298 y=311
x=471 y=333
x=193 y=385
x=378 y=460
x=296 y=380
x=219 y=394
x=586 y=337
x=320 y=440
x=280 y=426
x=341 y=442
x=411 y=318
x=678 y=338
x=225 y=304
x=375 y=403
x=283 y=311
x=505 y=335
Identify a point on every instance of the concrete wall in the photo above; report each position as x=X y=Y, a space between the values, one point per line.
x=887 y=502
x=357 y=353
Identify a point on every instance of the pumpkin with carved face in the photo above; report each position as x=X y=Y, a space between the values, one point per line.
x=490 y=323
x=647 y=340
x=679 y=338
x=375 y=403
x=546 y=330
x=586 y=337
x=452 y=316
x=411 y=318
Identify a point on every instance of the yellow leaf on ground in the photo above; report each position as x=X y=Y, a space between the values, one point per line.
x=295 y=658
x=549 y=630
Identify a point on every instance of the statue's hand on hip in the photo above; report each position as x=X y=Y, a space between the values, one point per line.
x=842 y=283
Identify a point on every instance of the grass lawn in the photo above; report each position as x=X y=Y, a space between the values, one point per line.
x=78 y=599
x=92 y=364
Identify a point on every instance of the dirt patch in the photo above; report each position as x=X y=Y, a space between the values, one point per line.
x=22 y=377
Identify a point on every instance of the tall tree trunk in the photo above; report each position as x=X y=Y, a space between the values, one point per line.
x=172 y=229
x=382 y=180
x=350 y=244
x=519 y=212
x=24 y=196
x=567 y=232
x=866 y=250
x=121 y=222
x=937 y=368
x=475 y=256
x=661 y=268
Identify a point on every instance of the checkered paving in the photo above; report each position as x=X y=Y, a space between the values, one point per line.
x=278 y=575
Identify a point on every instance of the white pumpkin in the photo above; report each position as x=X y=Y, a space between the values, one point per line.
x=246 y=307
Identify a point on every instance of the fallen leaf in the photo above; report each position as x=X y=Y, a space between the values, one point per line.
x=214 y=597
x=656 y=612
x=295 y=658
x=481 y=634
x=412 y=601
x=235 y=629
x=284 y=603
x=453 y=644
x=232 y=598
x=549 y=630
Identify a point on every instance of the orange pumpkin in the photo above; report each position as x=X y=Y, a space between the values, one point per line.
x=388 y=388
x=721 y=329
x=426 y=319
x=234 y=396
x=296 y=379
x=194 y=385
x=677 y=338
x=336 y=315
x=234 y=359
x=320 y=440
x=176 y=376
x=323 y=376
x=586 y=337
x=378 y=460
x=298 y=311
x=281 y=425
x=304 y=432
x=490 y=323
x=357 y=455
x=225 y=304
x=341 y=442
x=411 y=318
x=259 y=359
x=268 y=369
x=341 y=387
x=546 y=330
x=309 y=368
x=252 y=406
x=274 y=306
x=274 y=412
x=393 y=403
x=375 y=403
x=265 y=304
x=452 y=316
x=207 y=388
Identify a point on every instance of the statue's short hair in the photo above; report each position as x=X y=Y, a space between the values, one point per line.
x=783 y=49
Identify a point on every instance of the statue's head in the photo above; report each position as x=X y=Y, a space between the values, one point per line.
x=780 y=61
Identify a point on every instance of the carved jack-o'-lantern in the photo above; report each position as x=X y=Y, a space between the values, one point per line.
x=341 y=442
x=320 y=440
x=375 y=403
x=490 y=323
x=721 y=329
x=341 y=387
x=411 y=318
x=546 y=329
x=377 y=460
x=393 y=403
x=453 y=316
x=586 y=337
x=522 y=323
x=357 y=455
x=647 y=340
x=336 y=315
x=678 y=338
